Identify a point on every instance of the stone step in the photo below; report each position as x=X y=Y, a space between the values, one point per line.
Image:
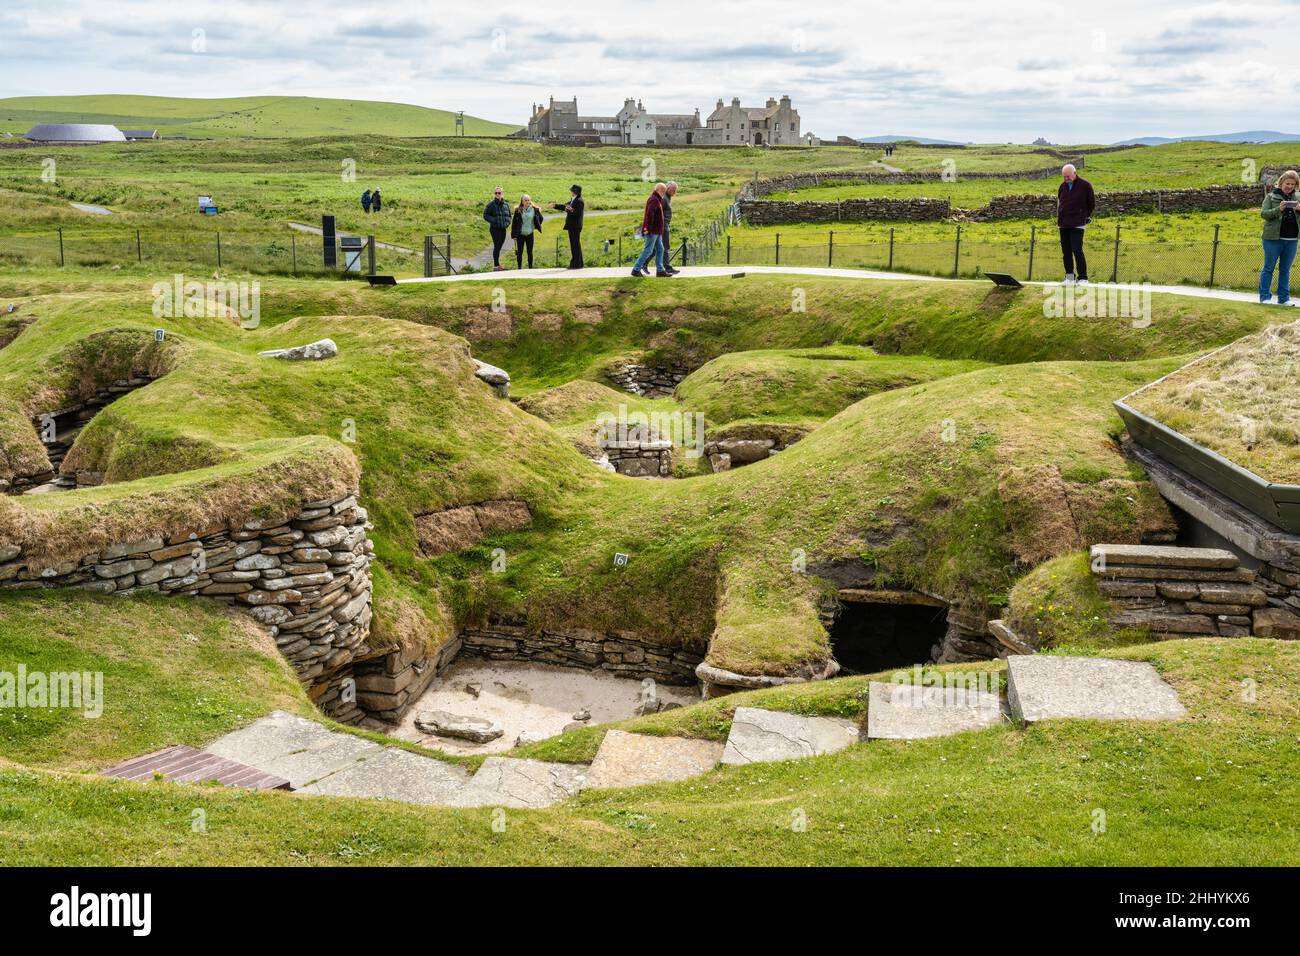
x=1042 y=687
x=760 y=736
x=294 y=747
x=910 y=712
x=513 y=782
x=1164 y=556
x=395 y=774
x=630 y=760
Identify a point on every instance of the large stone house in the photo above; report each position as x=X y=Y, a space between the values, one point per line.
x=775 y=124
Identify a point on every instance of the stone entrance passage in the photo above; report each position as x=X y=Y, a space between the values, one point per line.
x=878 y=630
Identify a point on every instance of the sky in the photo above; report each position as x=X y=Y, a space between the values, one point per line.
x=1007 y=71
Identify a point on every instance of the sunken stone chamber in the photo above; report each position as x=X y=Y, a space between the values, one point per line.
x=306 y=579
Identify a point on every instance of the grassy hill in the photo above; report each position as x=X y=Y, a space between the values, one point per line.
x=243 y=116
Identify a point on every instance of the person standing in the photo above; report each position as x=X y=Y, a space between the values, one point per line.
x=497 y=215
x=527 y=222
x=668 y=222
x=1281 y=233
x=573 y=224
x=1075 y=204
x=652 y=229
x=374 y=199
x=365 y=201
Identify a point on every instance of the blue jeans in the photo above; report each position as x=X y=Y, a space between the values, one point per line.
x=1280 y=253
x=654 y=246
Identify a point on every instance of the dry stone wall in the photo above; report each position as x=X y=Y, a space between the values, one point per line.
x=306 y=578
x=652 y=381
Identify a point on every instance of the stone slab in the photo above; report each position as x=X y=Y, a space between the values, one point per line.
x=631 y=760
x=394 y=774
x=1044 y=687
x=1277 y=623
x=293 y=747
x=511 y=782
x=1163 y=556
x=908 y=712
x=760 y=736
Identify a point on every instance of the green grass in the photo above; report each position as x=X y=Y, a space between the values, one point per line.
x=1213 y=789
x=242 y=116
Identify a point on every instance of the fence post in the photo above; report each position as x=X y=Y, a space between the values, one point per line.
x=1114 y=268
x=1032 y=235
x=778 y=248
x=620 y=248
x=891 y=249
x=60 y=247
x=1214 y=255
x=293 y=253
x=684 y=249
x=728 y=248
x=557 y=252
x=428 y=257
x=218 y=248
x=956 y=256
x=830 y=249
x=370 y=255
x=139 y=254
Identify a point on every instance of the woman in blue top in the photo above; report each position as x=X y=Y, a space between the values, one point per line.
x=526 y=224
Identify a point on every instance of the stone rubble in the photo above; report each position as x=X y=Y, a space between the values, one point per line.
x=312 y=352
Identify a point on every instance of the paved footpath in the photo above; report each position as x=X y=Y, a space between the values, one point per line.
x=716 y=272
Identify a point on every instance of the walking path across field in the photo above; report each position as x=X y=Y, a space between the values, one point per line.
x=322 y=762
x=714 y=272
x=316 y=231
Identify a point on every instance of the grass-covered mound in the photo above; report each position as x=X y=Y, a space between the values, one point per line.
x=1241 y=401
x=174 y=672
x=1217 y=788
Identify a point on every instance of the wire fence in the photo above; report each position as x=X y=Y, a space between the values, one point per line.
x=1111 y=257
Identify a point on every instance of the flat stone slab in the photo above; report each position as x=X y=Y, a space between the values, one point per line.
x=394 y=774
x=908 y=712
x=294 y=747
x=528 y=784
x=1042 y=687
x=760 y=736
x=1163 y=556
x=630 y=760
x=478 y=730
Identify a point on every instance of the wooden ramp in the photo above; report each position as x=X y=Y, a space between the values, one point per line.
x=187 y=765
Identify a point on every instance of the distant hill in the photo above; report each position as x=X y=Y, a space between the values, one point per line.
x=1249 y=136
x=255 y=116
x=895 y=139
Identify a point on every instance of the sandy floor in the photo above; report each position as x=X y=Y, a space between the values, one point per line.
x=528 y=697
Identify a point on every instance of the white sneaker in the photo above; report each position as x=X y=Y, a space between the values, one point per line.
x=1082 y=282
x=1069 y=279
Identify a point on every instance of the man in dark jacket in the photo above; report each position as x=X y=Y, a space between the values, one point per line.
x=497 y=215
x=668 y=224
x=573 y=224
x=652 y=229
x=1075 y=204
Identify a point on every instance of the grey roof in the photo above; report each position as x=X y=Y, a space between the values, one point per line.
x=75 y=133
x=140 y=133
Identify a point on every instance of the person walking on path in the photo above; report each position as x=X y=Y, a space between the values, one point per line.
x=525 y=225
x=573 y=224
x=365 y=201
x=497 y=215
x=1281 y=232
x=668 y=222
x=652 y=229
x=1075 y=204
x=374 y=199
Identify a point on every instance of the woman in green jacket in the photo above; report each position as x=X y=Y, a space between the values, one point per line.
x=1281 y=234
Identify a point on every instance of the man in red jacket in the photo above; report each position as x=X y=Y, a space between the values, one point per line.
x=1075 y=204
x=652 y=228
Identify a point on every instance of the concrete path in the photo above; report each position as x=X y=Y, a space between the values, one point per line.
x=93 y=210
x=316 y=231
x=714 y=272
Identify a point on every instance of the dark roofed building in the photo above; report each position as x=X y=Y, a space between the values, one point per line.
x=140 y=133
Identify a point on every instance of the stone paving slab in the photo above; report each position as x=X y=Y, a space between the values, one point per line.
x=759 y=736
x=512 y=782
x=1160 y=555
x=1042 y=686
x=630 y=760
x=395 y=774
x=294 y=747
x=907 y=712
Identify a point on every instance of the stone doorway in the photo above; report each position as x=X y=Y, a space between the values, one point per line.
x=880 y=630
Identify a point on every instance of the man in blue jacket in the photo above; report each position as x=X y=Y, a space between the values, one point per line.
x=497 y=215
x=1075 y=204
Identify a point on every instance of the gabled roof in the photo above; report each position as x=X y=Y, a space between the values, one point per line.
x=75 y=133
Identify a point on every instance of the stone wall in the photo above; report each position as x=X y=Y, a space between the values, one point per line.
x=306 y=578
x=1187 y=591
x=620 y=653
x=777 y=184
x=639 y=457
x=652 y=381
x=768 y=212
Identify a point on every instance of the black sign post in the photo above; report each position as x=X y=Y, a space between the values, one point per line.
x=328 y=241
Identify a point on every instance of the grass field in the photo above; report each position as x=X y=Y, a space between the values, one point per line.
x=243 y=116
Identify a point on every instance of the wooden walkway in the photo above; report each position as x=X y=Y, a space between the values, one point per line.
x=187 y=765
